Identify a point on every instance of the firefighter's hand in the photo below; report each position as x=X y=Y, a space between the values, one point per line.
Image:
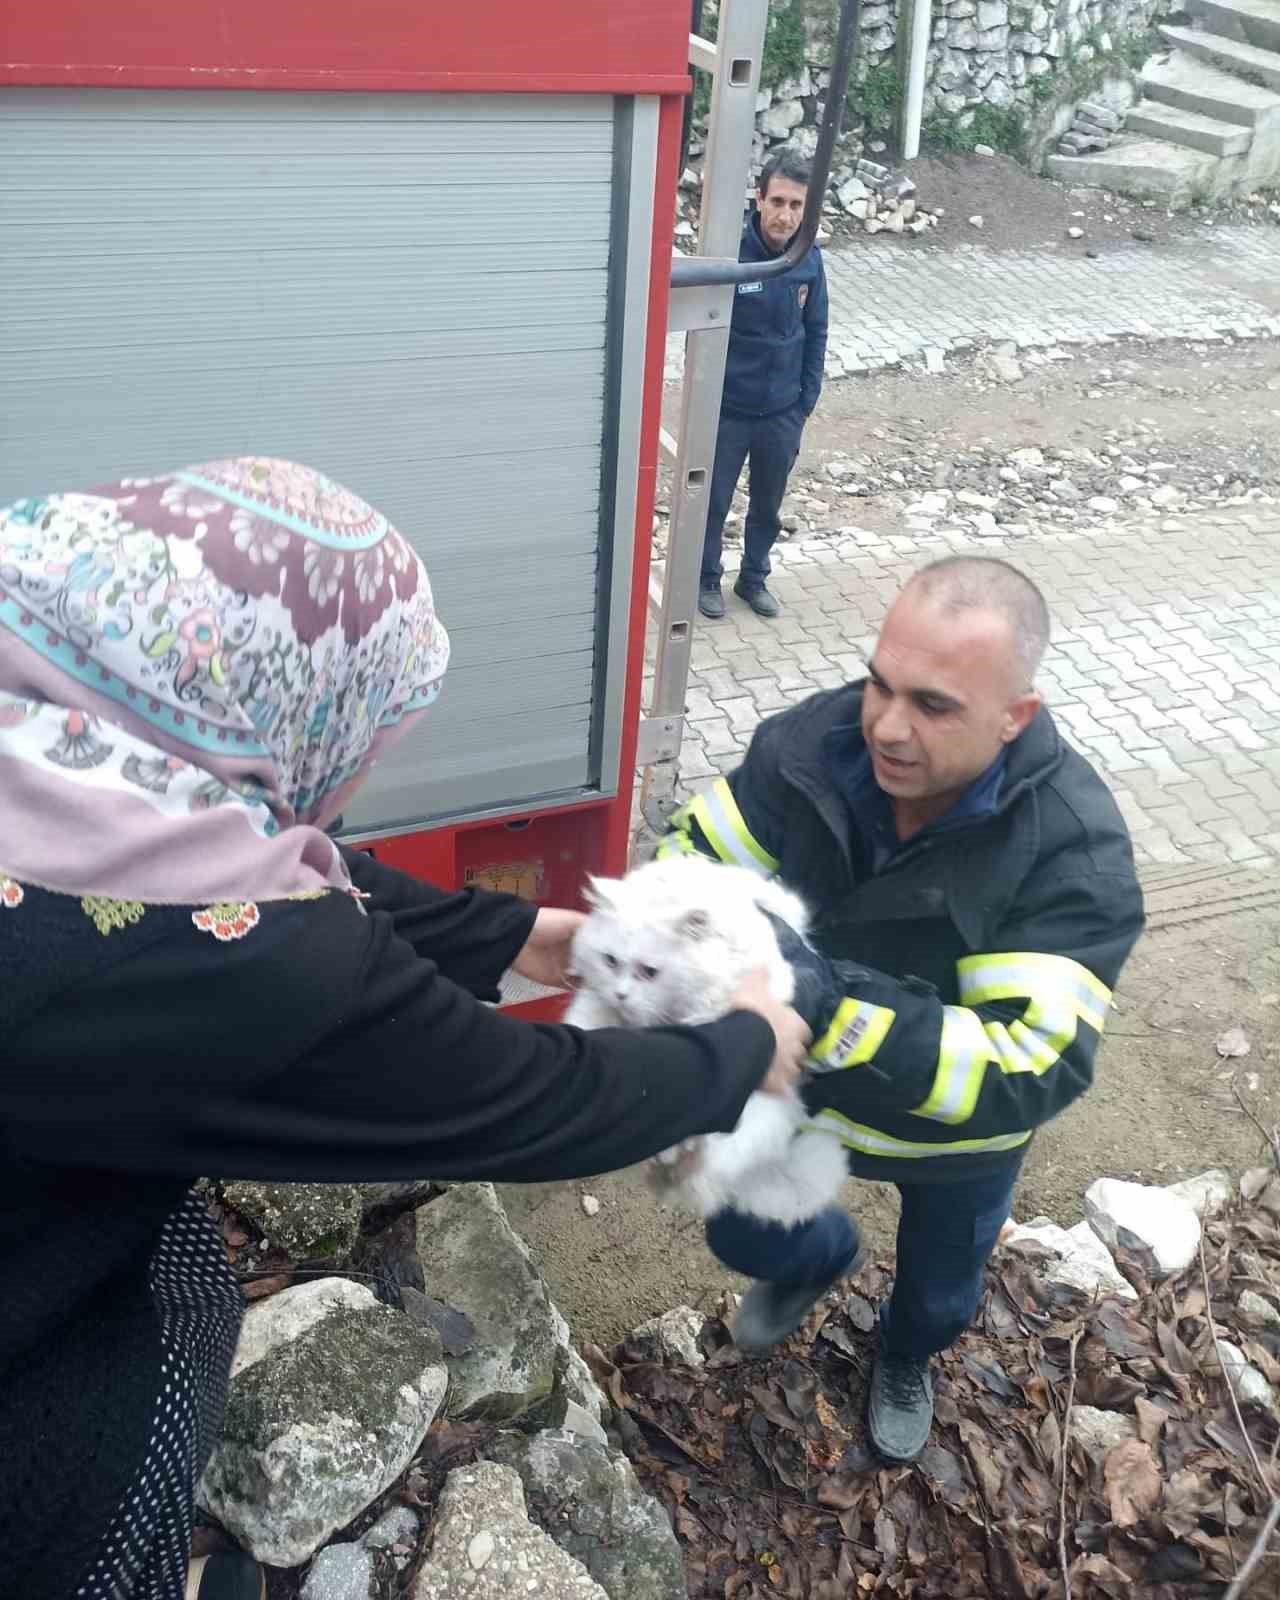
x=790 y=1031
x=546 y=954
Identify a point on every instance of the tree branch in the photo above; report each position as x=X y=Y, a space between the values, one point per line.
x=1062 y=1485
x=1271 y=1139
x=1241 y=1580
x=1263 y=1481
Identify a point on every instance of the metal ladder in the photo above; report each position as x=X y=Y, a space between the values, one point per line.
x=701 y=306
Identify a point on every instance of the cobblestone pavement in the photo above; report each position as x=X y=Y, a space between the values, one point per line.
x=1164 y=667
x=889 y=305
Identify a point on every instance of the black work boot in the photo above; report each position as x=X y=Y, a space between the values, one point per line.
x=900 y=1408
x=758 y=598
x=710 y=599
x=771 y=1311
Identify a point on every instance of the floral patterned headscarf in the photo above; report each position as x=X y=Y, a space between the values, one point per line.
x=195 y=667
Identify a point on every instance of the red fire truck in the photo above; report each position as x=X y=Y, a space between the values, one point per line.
x=427 y=247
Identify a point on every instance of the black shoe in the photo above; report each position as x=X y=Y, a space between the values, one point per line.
x=900 y=1409
x=226 y=1575
x=769 y=1311
x=758 y=598
x=710 y=599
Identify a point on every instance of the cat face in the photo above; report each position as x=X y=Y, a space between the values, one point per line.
x=650 y=962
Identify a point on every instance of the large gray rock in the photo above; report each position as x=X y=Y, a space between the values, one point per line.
x=575 y=1401
x=669 y=1339
x=1251 y=1388
x=400 y=1525
x=308 y=1221
x=1257 y=1311
x=1156 y=1218
x=1099 y=1432
x=473 y=1260
x=319 y=1425
x=1079 y=1259
x=340 y=1572
x=485 y=1547
x=795 y=88
x=287 y=1316
x=1208 y=1194
x=587 y=1497
x=778 y=121
x=346 y=1571
x=850 y=191
x=384 y=1196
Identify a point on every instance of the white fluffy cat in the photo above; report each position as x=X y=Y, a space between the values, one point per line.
x=670 y=943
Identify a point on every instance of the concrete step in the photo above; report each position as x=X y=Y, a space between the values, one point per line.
x=1148 y=167
x=1188 y=128
x=1195 y=85
x=1254 y=22
x=1253 y=64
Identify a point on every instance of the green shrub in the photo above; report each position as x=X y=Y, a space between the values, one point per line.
x=874 y=95
x=1002 y=128
x=783 y=55
x=784 y=42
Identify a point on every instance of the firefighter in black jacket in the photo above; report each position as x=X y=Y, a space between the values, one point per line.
x=772 y=380
x=972 y=880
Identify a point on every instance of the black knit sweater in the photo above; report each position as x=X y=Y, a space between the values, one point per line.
x=141 y=1047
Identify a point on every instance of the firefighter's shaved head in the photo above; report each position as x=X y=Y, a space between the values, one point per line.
x=951 y=682
x=962 y=583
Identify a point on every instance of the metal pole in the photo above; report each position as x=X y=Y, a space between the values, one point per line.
x=702 y=303
x=917 y=64
x=730 y=129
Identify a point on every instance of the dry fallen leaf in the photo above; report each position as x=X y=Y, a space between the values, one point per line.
x=1234 y=1042
x=979 y=1514
x=1151 y=1419
x=260 y=1288
x=1132 y=1482
x=827 y=1416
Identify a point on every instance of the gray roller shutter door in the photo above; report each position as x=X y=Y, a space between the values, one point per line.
x=409 y=291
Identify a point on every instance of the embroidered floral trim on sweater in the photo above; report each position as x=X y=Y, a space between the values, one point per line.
x=109 y=915
x=227 y=920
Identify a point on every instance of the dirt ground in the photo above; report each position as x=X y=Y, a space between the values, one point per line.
x=1162 y=1108
x=1215 y=408
x=1163 y=1105
x=1022 y=212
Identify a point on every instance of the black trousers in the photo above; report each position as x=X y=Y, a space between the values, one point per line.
x=771 y=444
x=945 y=1236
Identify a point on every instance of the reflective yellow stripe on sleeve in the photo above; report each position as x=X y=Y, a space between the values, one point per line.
x=716 y=813
x=1055 y=983
x=963 y=1054
x=1059 y=993
x=857 y=1031
x=871 y=1142
x=675 y=844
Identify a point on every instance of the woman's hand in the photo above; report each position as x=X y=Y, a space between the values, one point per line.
x=790 y=1031
x=545 y=957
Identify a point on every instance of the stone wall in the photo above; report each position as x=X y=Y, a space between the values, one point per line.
x=1011 y=56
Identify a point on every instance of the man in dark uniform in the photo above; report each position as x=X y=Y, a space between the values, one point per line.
x=971 y=878
x=772 y=380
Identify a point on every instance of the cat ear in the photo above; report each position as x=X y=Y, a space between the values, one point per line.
x=599 y=894
x=694 y=925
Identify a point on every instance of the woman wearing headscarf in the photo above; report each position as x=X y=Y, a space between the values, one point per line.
x=196 y=671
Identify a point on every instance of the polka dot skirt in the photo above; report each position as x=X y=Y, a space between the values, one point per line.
x=146 y=1550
